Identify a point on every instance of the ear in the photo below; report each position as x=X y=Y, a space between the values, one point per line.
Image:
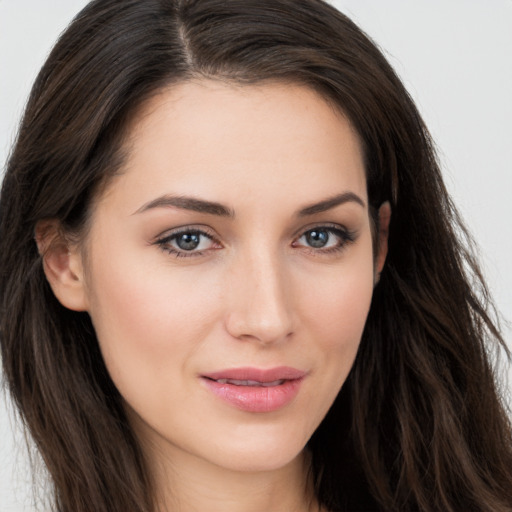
x=62 y=264
x=383 y=234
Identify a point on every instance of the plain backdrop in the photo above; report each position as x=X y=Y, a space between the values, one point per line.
x=455 y=57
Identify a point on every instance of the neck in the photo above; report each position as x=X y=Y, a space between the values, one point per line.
x=188 y=484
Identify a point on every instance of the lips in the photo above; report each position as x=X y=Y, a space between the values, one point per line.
x=255 y=390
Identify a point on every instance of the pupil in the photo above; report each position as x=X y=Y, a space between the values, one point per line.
x=317 y=238
x=188 y=241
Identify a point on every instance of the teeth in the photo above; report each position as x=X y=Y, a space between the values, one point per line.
x=274 y=383
x=250 y=382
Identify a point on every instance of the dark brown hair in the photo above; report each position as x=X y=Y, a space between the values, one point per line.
x=418 y=426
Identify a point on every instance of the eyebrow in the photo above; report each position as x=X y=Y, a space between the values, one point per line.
x=213 y=208
x=332 y=202
x=188 y=203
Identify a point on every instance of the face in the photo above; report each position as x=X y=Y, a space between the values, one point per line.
x=229 y=270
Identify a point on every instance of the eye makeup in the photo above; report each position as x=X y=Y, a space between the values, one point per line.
x=190 y=241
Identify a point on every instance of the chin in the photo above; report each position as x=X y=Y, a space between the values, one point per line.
x=266 y=450
x=259 y=461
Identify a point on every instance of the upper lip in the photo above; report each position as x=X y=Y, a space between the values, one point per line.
x=257 y=374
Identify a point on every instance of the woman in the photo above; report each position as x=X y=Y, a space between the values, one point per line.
x=231 y=277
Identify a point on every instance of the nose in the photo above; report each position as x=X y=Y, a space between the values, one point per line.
x=260 y=300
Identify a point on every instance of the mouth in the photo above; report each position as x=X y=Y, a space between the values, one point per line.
x=256 y=390
x=254 y=383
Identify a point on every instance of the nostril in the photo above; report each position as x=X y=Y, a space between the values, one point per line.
x=250 y=325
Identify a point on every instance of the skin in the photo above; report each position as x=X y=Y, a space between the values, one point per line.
x=254 y=293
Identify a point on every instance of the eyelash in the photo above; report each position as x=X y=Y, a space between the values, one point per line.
x=345 y=237
x=164 y=242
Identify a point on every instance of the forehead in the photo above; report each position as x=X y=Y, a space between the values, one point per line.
x=221 y=141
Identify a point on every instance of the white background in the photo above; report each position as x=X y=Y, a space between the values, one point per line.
x=455 y=57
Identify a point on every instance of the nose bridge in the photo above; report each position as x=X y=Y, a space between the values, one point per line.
x=260 y=306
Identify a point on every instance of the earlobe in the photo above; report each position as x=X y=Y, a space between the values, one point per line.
x=62 y=265
x=383 y=234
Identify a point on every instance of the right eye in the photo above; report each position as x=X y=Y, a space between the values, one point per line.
x=187 y=243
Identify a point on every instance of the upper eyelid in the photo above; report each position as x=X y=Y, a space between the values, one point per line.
x=334 y=230
x=210 y=233
x=169 y=233
x=333 y=226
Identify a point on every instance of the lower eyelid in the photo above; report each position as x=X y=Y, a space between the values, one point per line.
x=345 y=237
x=172 y=235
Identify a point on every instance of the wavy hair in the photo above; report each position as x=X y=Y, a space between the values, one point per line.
x=419 y=425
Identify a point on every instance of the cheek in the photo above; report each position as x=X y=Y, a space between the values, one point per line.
x=147 y=324
x=335 y=310
x=338 y=301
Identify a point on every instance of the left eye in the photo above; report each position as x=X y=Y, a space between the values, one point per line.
x=324 y=238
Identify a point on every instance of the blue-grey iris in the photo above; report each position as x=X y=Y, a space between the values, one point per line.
x=317 y=238
x=188 y=241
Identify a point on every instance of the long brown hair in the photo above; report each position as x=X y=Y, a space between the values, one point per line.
x=418 y=426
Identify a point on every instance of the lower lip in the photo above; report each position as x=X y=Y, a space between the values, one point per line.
x=256 y=398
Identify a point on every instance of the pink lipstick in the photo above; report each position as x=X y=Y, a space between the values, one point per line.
x=256 y=390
